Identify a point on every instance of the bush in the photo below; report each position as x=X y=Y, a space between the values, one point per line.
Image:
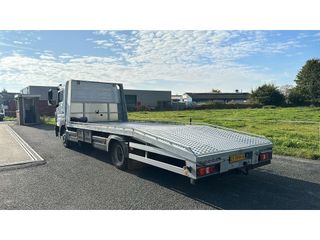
x=268 y=94
x=296 y=97
x=220 y=105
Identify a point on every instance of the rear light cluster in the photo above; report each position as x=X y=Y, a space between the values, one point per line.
x=202 y=171
x=265 y=156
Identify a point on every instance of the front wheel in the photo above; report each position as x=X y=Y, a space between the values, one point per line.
x=66 y=142
x=118 y=156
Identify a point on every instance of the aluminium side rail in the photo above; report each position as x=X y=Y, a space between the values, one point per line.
x=203 y=124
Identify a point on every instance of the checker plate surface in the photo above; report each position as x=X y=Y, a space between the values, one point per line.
x=201 y=140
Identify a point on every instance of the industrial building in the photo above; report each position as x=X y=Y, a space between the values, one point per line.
x=147 y=99
x=135 y=99
x=190 y=98
x=9 y=103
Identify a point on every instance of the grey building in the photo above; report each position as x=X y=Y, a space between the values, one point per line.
x=6 y=97
x=136 y=99
x=38 y=90
x=42 y=103
x=236 y=97
x=147 y=99
x=7 y=100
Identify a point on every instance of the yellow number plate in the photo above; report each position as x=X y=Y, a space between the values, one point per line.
x=237 y=157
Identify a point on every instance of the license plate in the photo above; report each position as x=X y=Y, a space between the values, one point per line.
x=237 y=157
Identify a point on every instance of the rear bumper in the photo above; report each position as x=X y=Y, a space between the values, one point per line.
x=244 y=168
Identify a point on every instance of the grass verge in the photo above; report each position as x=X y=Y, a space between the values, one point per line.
x=48 y=120
x=9 y=119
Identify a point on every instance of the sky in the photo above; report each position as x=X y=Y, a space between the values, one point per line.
x=180 y=61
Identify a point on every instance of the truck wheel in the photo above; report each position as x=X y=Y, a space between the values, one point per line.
x=66 y=142
x=118 y=156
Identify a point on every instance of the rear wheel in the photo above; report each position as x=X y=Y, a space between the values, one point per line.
x=119 y=156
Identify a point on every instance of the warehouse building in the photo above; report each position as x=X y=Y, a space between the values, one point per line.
x=190 y=98
x=147 y=99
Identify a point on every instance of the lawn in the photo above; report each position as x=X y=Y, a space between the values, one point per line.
x=9 y=119
x=48 y=120
x=293 y=131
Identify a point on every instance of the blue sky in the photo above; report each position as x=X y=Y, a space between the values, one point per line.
x=179 y=61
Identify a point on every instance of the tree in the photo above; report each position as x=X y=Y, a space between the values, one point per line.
x=4 y=90
x=285 y=89
x=296 y=97
x=215 y=90
x=308 y=80
x=268 y=94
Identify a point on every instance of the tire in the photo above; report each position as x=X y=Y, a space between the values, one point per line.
x=118 y=156
x=66 y=142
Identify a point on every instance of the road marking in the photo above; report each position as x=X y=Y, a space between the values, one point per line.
x=25 y=146
x=14 y=137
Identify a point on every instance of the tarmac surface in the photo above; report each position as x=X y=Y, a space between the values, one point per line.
x=84 y=178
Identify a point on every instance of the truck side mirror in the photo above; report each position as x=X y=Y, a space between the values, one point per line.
x=50 y=97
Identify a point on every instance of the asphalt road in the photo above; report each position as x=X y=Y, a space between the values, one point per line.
x=85 y=179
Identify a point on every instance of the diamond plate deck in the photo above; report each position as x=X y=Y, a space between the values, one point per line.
x=199 y=140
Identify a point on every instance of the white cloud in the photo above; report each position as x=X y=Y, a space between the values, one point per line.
x=176 y=60
x=103 y=43
x=22 y=43
x=65 y=56
x=173 y=47
x=17 y=42
x=92 y=60
x=15 y=45
x=47 y=57
x=101 y=32
x=45 y=70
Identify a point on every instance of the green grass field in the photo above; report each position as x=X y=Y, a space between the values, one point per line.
x=293 y=131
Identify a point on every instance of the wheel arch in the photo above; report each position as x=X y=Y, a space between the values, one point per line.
x=115 y=138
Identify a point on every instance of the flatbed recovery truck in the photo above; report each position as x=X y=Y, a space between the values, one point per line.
x=95 y=113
